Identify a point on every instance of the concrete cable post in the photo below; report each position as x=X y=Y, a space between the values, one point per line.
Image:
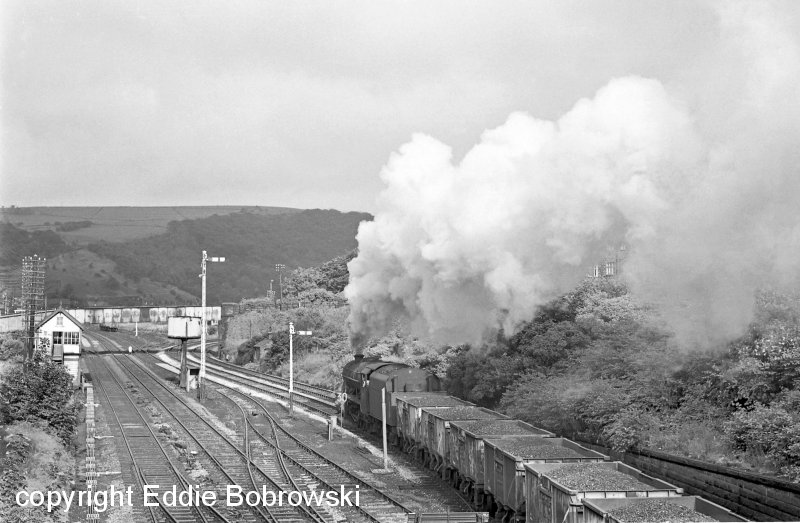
x=201 y=388
x=291 y=369
x=383 y=417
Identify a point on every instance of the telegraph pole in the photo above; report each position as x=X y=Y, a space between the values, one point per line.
x=292 y=332
x=279 y=267
x=272 y=294
x=201 y=386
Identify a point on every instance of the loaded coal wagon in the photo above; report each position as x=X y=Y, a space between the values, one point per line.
x=684 y=508
x=409 y=413
x=466 y=453
x=434 y=427
x=505 y=460
x=554 y=492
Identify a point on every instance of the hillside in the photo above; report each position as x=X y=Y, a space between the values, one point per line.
x=252 y=243
x=80 y=226
x=163 y=268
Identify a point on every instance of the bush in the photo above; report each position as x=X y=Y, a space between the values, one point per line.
x=773 y=430
x=626 y=431
x=11 y=348
x=40 y=391
x=34 y=460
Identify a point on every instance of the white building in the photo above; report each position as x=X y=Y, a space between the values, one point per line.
x=59 y=335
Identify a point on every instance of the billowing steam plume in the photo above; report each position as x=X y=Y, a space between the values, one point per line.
x=703 y=187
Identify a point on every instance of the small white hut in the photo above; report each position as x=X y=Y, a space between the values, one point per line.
x=59 y=335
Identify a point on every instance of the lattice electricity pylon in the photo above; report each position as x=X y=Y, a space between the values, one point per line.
x=32 y=288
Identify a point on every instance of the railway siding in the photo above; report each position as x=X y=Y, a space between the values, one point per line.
x=415 y=487
x=143 y=456
x=219 y=452
x=375 y=504
x=312 y=403
x=303 y=392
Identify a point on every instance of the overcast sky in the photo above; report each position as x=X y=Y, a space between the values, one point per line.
x=301 y=104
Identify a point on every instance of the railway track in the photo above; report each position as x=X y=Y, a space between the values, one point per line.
x=150 y=463
x=304 y=462
x=306 y=388
x=237 y=454
x=229 y=454
x=374 y=504
x=269 y=452
x=315 y=399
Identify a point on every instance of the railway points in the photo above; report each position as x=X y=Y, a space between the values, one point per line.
x=259 y=440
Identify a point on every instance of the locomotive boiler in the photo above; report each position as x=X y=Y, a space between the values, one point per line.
x=365 y=378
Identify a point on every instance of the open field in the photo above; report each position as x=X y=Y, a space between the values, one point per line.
x=117 y=223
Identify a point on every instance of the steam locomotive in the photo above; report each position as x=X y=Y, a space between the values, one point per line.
x=365 y=378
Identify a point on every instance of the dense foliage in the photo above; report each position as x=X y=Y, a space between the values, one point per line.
x=319 y=358
x=18 y=243
x=596 y=366
x=252 y=244
x=40 y=392
x=318 y=287
x=33 y=460
x=335 y=274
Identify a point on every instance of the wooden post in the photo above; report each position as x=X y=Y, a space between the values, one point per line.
x=184 y=366
x=331 y=426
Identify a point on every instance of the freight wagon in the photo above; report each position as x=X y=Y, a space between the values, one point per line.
x=671 y=509
x=116 y=315
x=555 y=491
x=505 y=460
x=466 y=450
x=507 y=467
x=434 y=426
x=409 y=408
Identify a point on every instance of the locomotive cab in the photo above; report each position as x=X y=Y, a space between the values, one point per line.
x=366 y=375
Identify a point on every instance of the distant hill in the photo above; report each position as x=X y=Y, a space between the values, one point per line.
x=83 y=225
x=252 y=244
x=162 y=268
x=75 y=275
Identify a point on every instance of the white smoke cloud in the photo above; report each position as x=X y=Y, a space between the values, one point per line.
x=703 y=187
